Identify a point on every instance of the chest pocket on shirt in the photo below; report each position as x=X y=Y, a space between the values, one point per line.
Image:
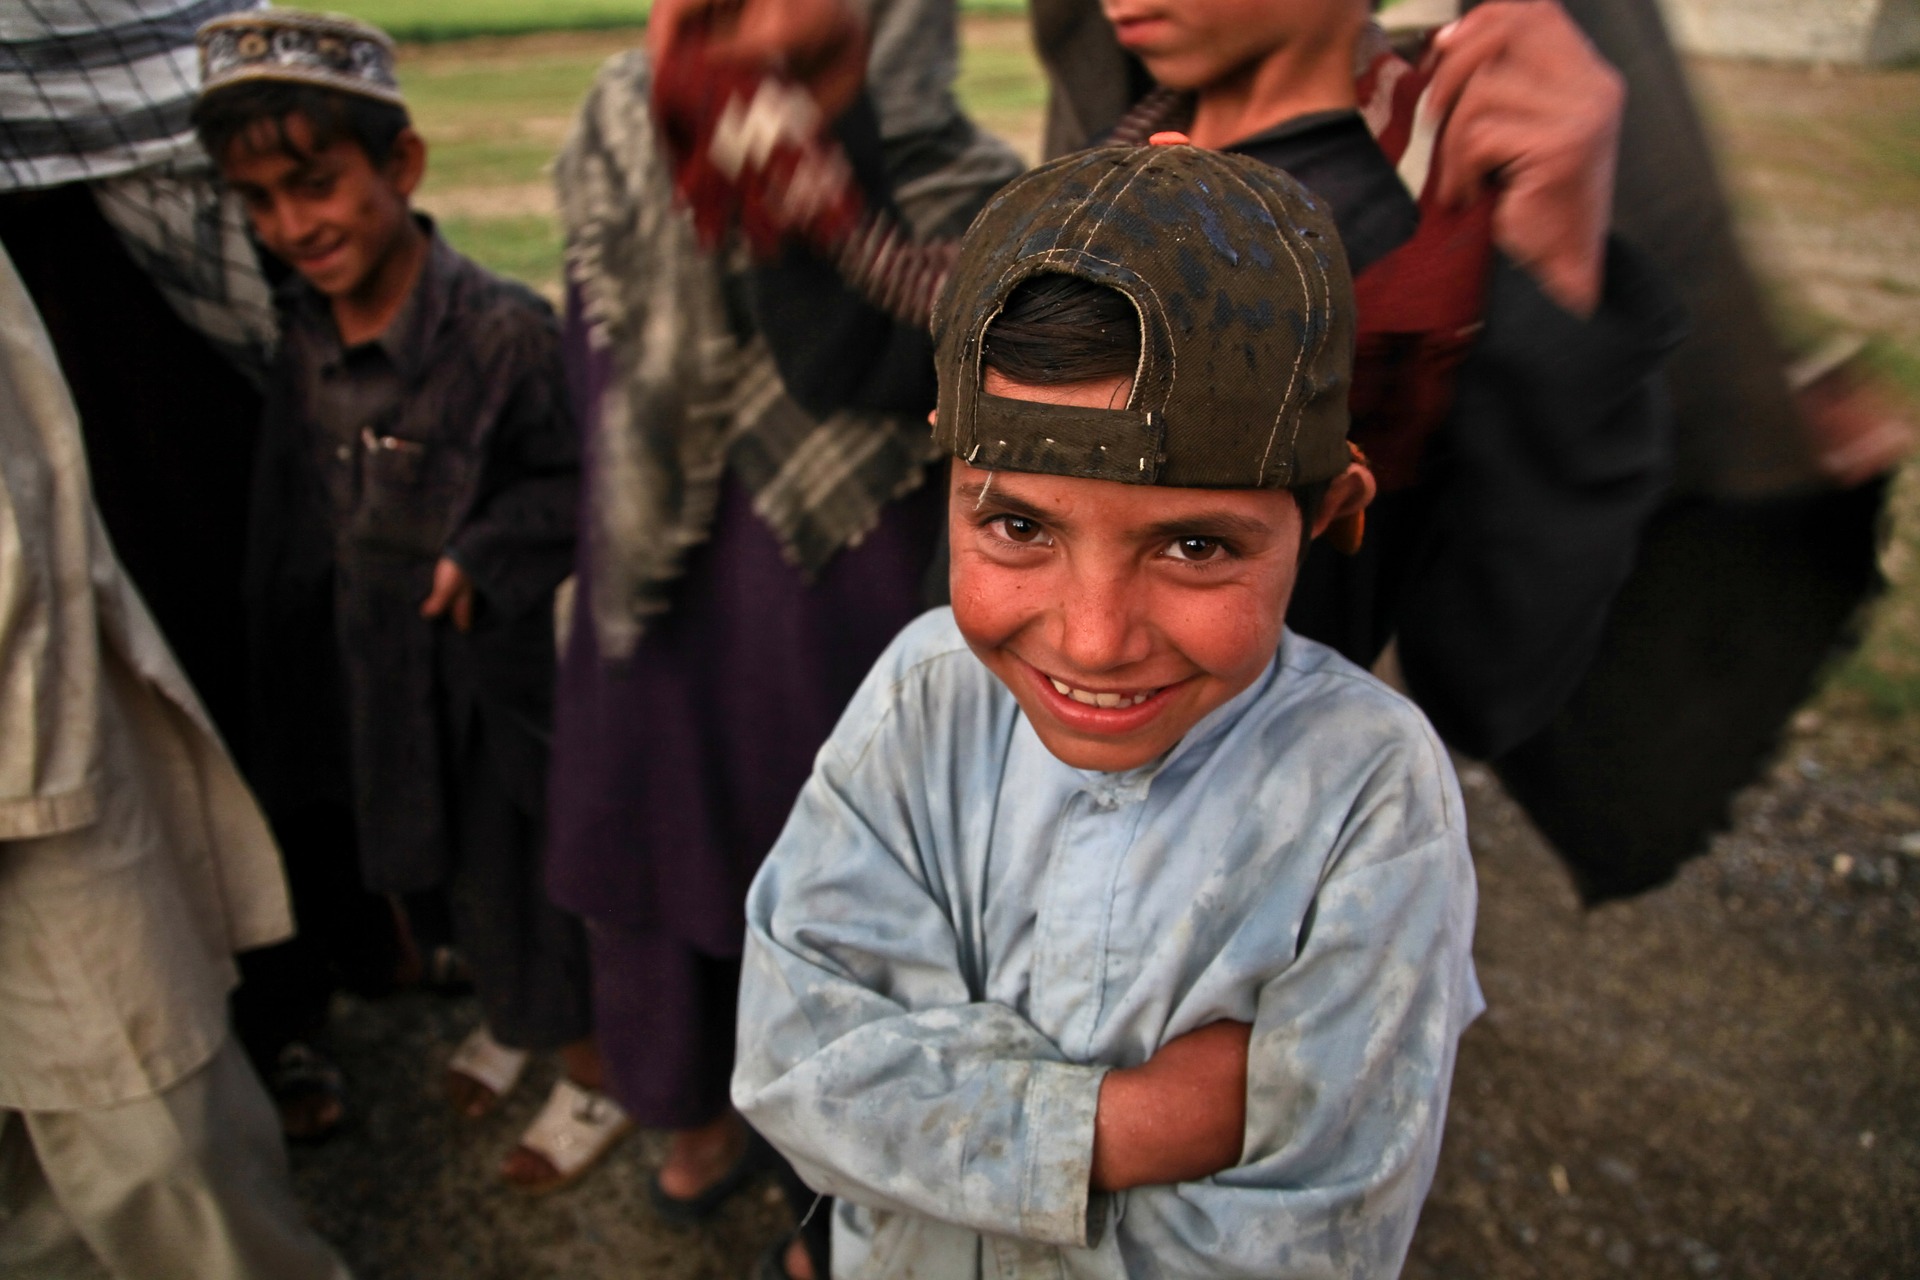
x=401 y=506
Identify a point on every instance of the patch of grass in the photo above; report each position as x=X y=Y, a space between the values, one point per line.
x=495 y=113
x=1895 y=145
x=1899 y=365
x=439 y=20
x=526 y=247
x=490 y=162
x=1001 y=75
x=431 y=20
x=486 y=92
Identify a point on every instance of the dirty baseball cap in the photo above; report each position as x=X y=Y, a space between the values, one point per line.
x=1246 y=322
x=292 y=46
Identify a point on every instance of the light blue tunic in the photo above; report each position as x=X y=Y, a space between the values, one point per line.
x=957 y=934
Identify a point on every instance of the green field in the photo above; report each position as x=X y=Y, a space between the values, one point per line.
x=440 y=20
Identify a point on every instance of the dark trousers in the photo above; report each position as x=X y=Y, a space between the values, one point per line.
x=666 y=1016
x=347 y=937
x=529 y=958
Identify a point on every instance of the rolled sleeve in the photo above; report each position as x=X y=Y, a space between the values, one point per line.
x=1057 y=1205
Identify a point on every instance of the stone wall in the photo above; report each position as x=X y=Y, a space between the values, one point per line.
x=1850 y=31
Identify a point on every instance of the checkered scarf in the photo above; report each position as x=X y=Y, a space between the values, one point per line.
x=101 y=91
x=688 y=398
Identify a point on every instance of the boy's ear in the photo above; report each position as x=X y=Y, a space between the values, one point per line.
x=406 y=162
x=1342 y=514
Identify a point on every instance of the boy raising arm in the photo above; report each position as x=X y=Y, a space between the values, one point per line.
x=1119 y=931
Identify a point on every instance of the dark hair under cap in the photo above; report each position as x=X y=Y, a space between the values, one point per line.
x=1058 y=329
x=254 y=113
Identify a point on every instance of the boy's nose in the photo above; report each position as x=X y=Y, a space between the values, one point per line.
x=292 y=222
x=1100 y=624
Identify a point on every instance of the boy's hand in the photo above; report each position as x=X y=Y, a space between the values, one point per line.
x=1531 y=106
x=821 y=43
x=452 y=593
x=1178 y=1116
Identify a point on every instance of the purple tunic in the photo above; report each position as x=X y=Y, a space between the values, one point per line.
x=673 y=771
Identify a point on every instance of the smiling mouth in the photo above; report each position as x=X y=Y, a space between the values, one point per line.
x=317 y=255
x=1102 y=698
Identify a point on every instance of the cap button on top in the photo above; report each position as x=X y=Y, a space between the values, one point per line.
x=1169 y=138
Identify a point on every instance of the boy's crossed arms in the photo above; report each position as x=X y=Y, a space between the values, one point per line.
x=942 y=1025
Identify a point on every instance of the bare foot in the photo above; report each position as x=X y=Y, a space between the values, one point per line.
x=581 y=1059
x=698 y=1158
x=469 y=1097
x=309 y=1092
x=528 y=1170
x=311 y=1117
x=797 y=1263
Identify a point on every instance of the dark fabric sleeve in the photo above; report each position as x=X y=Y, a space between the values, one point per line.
x=517 y=544
x=833 y=348
x=1557 y=452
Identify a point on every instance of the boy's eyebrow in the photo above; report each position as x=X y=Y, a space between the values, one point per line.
x=1200 y=524
x=1209 y=524
x=981 y=495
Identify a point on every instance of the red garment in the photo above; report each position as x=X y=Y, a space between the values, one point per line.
x=1421 y=306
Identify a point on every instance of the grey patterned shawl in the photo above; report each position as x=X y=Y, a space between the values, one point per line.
x=101 y=91
x=688 y=398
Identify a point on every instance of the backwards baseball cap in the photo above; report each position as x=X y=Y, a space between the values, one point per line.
x=1246 y=322
x=329 y=50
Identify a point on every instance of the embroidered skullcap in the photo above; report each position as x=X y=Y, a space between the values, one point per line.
x=329 y=50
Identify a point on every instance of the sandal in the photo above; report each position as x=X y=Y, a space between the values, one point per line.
x=576 y=1127
x=483 y=1061
x=697 y=1209
x=309 y=1091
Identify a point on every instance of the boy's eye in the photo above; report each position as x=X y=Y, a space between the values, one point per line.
x=1197 y=549
x=1019 y=529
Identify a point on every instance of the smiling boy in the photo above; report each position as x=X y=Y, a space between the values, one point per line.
x=1120 y=931
x=414 y=514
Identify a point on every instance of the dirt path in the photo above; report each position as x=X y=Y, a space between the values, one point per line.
x=1710 y=1080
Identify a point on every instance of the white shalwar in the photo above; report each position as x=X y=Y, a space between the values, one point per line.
x=135 y=1141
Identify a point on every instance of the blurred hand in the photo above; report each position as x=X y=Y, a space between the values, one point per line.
x=1179 y=1116
x=1532 y=107
x=452 y=594
x=821 y=43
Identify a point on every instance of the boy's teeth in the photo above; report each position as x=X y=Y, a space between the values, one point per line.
x=1099 y=699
